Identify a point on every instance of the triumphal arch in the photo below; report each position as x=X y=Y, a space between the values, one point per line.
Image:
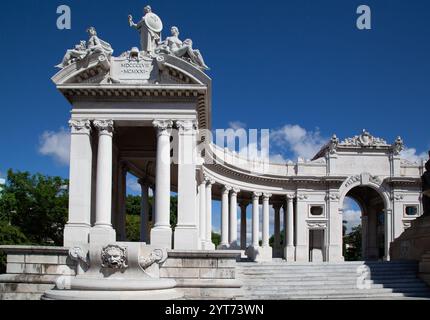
x=147 y=111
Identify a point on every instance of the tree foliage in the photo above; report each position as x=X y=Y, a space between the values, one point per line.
x=352 y=245
x=36 y=205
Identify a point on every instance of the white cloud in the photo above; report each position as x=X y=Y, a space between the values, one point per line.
x=134 y=187
x=236 y=125
x=411 y=155
x=56 y=145
x=351 y=214
x=302 y=143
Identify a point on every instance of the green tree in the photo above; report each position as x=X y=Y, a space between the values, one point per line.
x=9 y=235
x=216 y=239
x=352 y=244
x=133 y=205
x=37 y=205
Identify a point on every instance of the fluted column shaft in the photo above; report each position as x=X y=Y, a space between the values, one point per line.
x=290 y=223
x=266 y=219
x=202 y=210
x=161 y=234
x=255 y=219
x=233 y=217
x=209 y=184
x=224 y=216
x=104 y=174
x=277 y=237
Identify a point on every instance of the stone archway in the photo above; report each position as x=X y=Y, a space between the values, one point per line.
x=372 y=195
x=373 y=208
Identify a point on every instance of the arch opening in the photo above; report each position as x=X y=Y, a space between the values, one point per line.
x=364 y=230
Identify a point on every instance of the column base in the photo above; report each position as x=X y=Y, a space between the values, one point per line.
x=259 y=254
x=234 y=246
x=101 y=236
x=206 y=245
x=186 y=238
x=335 y=254
x=75 y=234
x=161 y=237
x=290 y=253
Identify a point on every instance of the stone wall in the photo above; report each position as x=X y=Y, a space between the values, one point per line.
x=32 y=270
x=204 y=274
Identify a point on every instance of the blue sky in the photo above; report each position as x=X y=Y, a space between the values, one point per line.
x=295 y=66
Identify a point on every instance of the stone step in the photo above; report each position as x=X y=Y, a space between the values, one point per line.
x=325 y=284
x=20 y=296
x=24 y=287
x=393 y=296
x=339 y=291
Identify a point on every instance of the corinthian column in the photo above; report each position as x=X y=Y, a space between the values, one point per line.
x=104 y=174
x=266 y=250
x=224 y=218
x=78 y=225
x=277 y=237
x=255 y=219
x=202 y=212
x=290 y=249
x=186 y=232
x=233 y=219
x=243 y=222
x=209 y=244
x=161 y=234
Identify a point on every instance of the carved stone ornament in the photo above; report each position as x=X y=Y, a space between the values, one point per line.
x=334 y=143
x=114 y=257
x=333 y=197
x=364 y=140
x=104 y=126
x=398 y=146
x=78 y=254
x=352 y=180
x=80 y=125
x=157 y=256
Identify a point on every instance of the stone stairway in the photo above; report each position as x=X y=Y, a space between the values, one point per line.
x=347 y=280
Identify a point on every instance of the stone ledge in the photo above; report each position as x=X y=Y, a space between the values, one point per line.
x=34 y=250
x=29 y=278
x=208 y=283
x=213 y=254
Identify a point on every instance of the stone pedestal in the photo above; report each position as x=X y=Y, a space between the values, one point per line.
x=259 y=254
x=116 y=271
x=414 y=242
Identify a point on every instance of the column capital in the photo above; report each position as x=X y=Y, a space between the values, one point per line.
x=104 y=126
x=226 y=189
x=256 y=195
x=162 y=125
x=235 y=191
x=266 y=196
x=80 y=126
x=209 y=181
x=186 y=126
x=291 y=196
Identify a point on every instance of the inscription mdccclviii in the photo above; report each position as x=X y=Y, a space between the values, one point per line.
x=127 y=70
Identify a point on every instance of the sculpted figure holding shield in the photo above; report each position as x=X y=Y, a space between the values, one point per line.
x=149 y=27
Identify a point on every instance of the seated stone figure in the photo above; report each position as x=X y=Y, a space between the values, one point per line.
x=85 y=49
x=173 y=45
x=426 y=189
x=73 y=55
